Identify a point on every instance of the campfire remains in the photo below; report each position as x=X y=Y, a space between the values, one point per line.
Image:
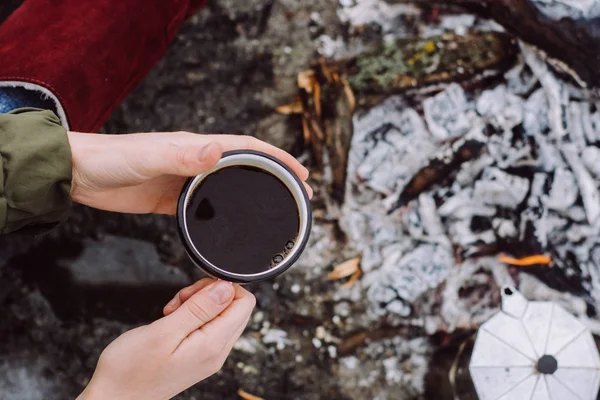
x=486 y=156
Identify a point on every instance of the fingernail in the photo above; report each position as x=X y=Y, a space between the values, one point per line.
x=203 y=155
x=220 y=292
x=172 y=302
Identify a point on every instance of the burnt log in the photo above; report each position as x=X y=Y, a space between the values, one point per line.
x=443 y=163
x=565 y=32
x=568 y=31
x=415 y=63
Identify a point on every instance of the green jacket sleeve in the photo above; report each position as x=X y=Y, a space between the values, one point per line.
x=35 y=178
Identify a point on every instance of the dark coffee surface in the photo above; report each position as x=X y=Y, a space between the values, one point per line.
x=241 y=218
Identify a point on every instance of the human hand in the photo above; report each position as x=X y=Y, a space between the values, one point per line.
x=189 y=344
x=145 y=172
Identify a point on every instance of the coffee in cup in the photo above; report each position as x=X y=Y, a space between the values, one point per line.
x=247 y=219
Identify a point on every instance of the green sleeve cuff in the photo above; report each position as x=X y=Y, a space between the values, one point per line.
x=36 y=171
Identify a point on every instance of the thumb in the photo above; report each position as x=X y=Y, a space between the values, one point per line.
x=200 y=309
x=181 y=160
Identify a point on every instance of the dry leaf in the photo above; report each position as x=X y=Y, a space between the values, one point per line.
x=305 y=130
x=316 y=128
x=307 y=80
x=526 y=261
x=349 y=95
x=327 y=72
x=317 y=99
x=353 y=279
x=247 y=396
x=345 y=269
x=294 y=107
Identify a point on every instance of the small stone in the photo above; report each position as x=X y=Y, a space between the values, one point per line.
x=342 y=309
x=320 y=333
x=447 y=113
x=332 y=350
x=336 y=319
x=349 y=362
x=259 y=316
x=246 y=344
x=317 y=343
x=249 y=370
x=296 y=288
x=274 y=336
x=299 y=358
x=240 y=365
x=392 y=372
x=265 y=328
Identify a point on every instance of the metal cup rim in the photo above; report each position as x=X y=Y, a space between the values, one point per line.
x=279 y=170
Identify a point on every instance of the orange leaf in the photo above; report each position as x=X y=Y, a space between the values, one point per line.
x=247 y=396
x=349 y=95
x=294 y=107
x=317 y=99
x=306 y=130
x=353 y=279
x=345 y=269
x=526 y=261
x=306 y=80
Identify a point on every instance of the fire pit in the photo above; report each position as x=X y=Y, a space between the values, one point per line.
x=463 y=175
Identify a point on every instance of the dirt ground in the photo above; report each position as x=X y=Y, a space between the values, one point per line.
x=66 y=295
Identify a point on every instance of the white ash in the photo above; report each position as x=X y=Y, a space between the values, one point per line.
x=388 y=16
x=247 y=344
x=462 y=206
x=332 y=351
x=556 y=92
x=277 y=337
x=317 y=343
x=296 y=288
x=532 y=288
x=401 y=140
x=404 y=277
x=448 y=114
x=563 y=192
x=497 y=188
x=464 y=313
x=349 y=362
x=20 y=380
x=329 y=46
x=249 y=370
x=575 y=9
x=392 y=372
x=520 y=80
x=397 y=369
x=258 y=317
x=591 y=159
x=501 y=107
x=535 y=118
x=587 y=186
x=322 y=249
x=458 y=22
x=533 y=190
